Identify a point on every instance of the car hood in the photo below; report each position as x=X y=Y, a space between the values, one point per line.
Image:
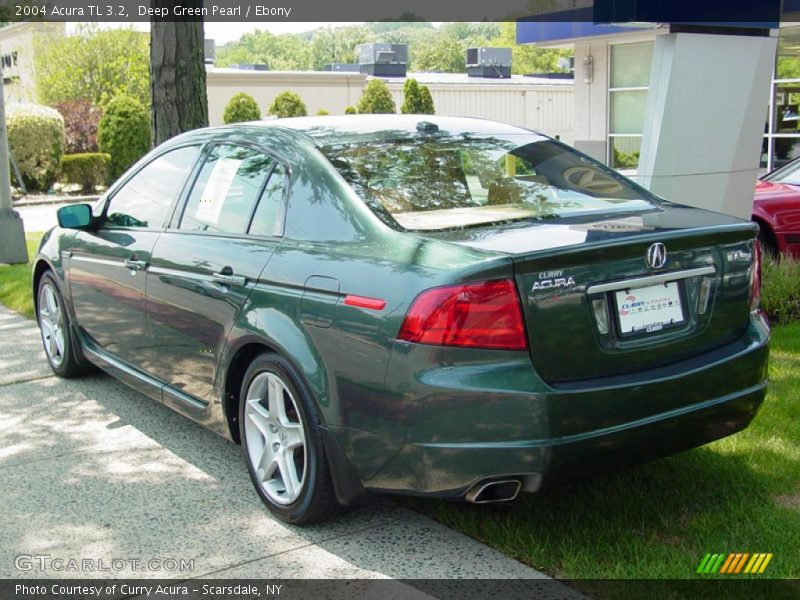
x=771 y=190
x=522 y=238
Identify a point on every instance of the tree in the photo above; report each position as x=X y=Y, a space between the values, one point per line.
x=288 y=104
x=93 y=64
x=376 y=99
x=445 y=54
x=241 y=108
x=417 y=99
x=329 y=45
x=281 y=52
x=528 y=59
x=177 y=74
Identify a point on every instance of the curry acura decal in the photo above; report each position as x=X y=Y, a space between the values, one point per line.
x=734 y=562
x=550 y=280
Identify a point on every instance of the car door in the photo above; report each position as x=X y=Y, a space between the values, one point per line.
x=107 y=264
x=204 y=267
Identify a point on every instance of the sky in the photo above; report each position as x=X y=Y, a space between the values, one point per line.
x=222 y=33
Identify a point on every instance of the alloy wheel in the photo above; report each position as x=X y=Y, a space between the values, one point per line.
x=51 y=324
x=276 y=438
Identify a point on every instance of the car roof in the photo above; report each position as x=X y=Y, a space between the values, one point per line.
x=340 y=129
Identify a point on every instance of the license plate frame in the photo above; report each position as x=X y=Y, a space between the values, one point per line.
x=649 y=310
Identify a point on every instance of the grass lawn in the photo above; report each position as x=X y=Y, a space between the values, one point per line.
x=740 y=494
x=15 y=281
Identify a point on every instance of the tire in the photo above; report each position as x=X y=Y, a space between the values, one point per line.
x=282 y=444
x=55 y=328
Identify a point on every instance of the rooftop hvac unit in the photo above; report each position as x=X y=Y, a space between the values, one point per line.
x=489 y=62
x=383 y=60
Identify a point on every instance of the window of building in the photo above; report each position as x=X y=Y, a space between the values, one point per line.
x=629 y=81
x=782 y=126
x=143 y=201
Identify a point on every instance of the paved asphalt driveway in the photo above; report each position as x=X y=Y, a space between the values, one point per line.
x=91 y=469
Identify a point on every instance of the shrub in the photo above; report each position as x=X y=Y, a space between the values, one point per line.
x=426 y=100
x=624 y=160
x=780 y=291
x=36 y=139
x=322 y=112
x=81 y=119
x=241 y=108
x=417 y=99
x=88 y=169
x=376 y=99
x=288 y=104
x=124 y=133
x=350 y=110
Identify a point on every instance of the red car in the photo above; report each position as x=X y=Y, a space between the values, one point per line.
x=776 y=209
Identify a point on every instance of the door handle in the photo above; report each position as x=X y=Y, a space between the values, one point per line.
x=134 y=263
x=226 y=277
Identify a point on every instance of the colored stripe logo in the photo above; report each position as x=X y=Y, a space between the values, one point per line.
x=734 y=562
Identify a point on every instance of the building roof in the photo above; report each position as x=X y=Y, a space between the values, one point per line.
x=421 y=77
x=463 y=78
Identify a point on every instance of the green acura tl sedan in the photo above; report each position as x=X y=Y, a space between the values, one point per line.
x=408 y=304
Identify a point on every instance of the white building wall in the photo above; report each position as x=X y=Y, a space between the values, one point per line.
x=545 y=108
x=17 y=52
x=332 y=91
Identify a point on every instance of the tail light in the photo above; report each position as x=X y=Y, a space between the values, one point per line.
x=755 y=276
x=476 y=315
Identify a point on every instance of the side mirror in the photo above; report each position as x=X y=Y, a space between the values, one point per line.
x=75 y=216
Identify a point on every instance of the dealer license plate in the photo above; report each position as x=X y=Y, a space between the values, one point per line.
x=649 y=309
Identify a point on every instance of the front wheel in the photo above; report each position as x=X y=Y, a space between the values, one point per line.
x=59 y=345
x=282 y=444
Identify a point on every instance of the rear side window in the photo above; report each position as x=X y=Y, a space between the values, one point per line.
x=144 y=200
x=226 y=191
x=268 y=218
x=447 y=181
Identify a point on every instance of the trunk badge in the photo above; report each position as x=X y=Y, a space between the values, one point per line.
x=657 y=256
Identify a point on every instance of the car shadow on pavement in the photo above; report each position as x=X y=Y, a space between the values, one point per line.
x=93 y=469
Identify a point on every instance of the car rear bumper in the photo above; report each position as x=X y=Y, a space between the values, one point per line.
x=576 y=431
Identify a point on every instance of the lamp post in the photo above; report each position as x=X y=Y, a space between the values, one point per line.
x=12 y=234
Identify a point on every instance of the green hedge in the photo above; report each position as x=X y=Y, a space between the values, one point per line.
x=241 y=108
x=124 y=133
x=780 y=289
x=88 y=169
x=288 y=104
x=376 y=99
x=36 y=139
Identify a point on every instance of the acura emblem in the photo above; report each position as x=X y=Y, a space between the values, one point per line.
x=657 y=255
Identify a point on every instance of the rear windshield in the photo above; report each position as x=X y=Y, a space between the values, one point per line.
x=437 y=182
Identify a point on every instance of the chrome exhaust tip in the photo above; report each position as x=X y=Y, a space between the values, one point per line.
x=494 y=491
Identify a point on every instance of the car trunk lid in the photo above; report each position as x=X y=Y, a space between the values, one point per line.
x=595 y=307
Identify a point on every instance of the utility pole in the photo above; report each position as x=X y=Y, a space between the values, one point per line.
x=12 y=234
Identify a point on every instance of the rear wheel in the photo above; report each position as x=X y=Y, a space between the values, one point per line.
x=54 y=325
x=282 y=444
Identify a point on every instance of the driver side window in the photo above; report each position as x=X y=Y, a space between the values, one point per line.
x=144 y=200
